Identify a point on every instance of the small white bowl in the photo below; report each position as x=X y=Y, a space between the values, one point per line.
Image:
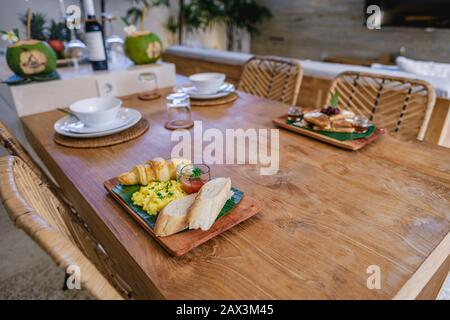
x=207 y=83
x=96 y=112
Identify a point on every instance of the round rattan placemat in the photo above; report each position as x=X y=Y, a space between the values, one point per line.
x=129 y=134
x=214 y=102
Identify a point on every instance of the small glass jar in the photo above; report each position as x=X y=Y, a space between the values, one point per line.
x=149 y=86
x=295 y=114
x=193 y=177
x=179 y=111
x=361 y=124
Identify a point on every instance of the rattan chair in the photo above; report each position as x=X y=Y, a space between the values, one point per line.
x=402 y=106
x=273 y=78
x=43 y=202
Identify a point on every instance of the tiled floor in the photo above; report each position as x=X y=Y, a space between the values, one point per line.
x=26 y=272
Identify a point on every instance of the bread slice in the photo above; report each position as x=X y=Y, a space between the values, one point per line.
x=344 y=123
x=344 y=114
x=209 y=202
x=173 y=218
x=317 y=118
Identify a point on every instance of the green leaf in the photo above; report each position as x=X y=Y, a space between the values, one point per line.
x=196 y=172
x=343 y=136
x=334 y=99
x=16 y=32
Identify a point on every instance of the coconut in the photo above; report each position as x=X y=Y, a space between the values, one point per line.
x=143 y=47
x=29 y=58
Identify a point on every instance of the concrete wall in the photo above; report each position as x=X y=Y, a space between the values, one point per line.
x=313 y=29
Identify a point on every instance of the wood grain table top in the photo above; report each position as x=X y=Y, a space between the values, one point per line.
x=328 y=214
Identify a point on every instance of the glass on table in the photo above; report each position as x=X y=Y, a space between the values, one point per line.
x=179 y=111
x=149 y=86
x=193 y=177
x=295 y=114
x=361 y=124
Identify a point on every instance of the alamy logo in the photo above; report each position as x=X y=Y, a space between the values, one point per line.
x=374 y=20
x=234 y=146
x=374 y=280
x=73 y=280
x=73 y=17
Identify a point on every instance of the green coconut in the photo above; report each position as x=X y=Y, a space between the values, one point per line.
x=143 y=47
x=30 y=58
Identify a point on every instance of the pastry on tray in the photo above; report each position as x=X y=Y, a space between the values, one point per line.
x=157 y=169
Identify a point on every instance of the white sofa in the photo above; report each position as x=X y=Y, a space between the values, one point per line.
x=310 y=68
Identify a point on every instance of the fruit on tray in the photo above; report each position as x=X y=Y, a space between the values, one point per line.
x=28 y=58
x=143 y=47
x=332 y=109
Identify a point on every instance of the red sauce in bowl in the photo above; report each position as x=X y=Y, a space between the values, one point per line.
x=192 y=185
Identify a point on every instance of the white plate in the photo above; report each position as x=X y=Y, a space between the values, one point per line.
x=126 y=118
x=225 y=90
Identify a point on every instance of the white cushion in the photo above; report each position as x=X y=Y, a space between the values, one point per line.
x=218 y=56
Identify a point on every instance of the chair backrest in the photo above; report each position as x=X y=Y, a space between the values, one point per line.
x=33 y=207
x=15 y=148
x=273 y=78
x=402 y=106
x=64 y=218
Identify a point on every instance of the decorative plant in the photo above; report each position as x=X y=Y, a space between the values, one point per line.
x=235 y=14
x=36 y=27
x=139 y=9
x=172 y=26
x=57 y=31
x=57 y=34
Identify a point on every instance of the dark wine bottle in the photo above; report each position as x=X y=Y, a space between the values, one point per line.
x=94 y=38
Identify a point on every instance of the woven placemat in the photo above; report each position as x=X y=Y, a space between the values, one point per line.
x=214 y=102
x=131 y=133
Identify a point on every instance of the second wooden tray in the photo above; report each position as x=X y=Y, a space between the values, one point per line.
x=349 y=144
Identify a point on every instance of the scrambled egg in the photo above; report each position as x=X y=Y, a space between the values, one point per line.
x=156 y=195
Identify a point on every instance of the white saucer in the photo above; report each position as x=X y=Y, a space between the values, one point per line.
x=224 y=90
x=125 y=119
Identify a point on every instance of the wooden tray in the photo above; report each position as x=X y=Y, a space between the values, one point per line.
x=350 y=144
x=183 y=242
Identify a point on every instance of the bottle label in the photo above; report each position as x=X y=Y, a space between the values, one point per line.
x=94 y=42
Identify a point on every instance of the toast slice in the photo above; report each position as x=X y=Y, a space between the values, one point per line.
x=173 y=218
x=344 y=123
x=208 y=204
x=317 y=118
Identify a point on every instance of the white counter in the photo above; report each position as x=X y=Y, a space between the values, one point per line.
x=76 y=84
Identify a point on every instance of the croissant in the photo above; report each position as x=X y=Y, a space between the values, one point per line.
x=156 y=169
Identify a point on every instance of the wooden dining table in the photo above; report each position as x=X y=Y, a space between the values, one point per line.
x=334 y=224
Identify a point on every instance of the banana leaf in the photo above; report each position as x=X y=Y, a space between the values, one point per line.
x=126 y=192
x=341 y=136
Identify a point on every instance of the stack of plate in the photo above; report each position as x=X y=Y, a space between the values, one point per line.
x=71 y=127
x=224 y=90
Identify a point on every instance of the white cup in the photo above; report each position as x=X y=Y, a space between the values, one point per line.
x=96 y=112
x=207 y=83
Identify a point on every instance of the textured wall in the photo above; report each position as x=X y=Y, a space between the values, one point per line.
x=313 y=29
